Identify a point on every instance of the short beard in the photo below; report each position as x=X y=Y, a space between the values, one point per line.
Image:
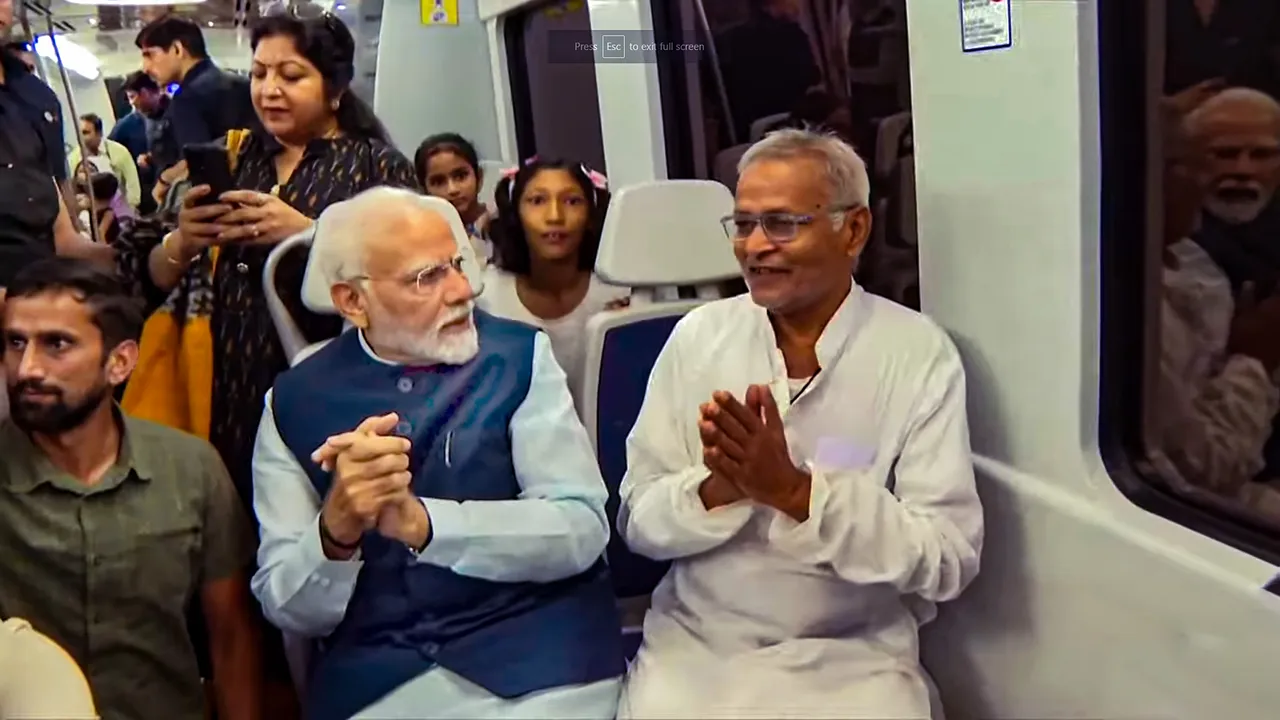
x=58 y=418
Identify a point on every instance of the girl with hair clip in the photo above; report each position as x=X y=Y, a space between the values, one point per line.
x=448 y=167
x=545 y=235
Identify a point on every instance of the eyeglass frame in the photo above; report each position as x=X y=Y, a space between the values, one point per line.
x=424 y=289
x=728 y=222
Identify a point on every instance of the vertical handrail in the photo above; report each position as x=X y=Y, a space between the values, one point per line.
x=75 y=117
x=715 y=68
x=31 y=38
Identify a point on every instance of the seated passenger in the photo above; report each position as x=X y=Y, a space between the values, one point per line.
x=429 y=502
x=110 y=525
x=448 y=166
x=820 y=498
x=546 y=235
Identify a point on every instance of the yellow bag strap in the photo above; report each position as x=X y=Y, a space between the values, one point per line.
x=235 y=139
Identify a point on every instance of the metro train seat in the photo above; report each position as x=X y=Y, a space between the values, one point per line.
x=658 y=236
x=492 y=171
x=725 y=168
x=888 y=140
x=762 y=126
x=38 y=679
x=291 y=338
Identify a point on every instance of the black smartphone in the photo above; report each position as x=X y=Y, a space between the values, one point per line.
x=207 y=165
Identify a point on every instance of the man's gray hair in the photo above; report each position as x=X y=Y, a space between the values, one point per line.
x=339 y=248
x=846 y=172
x=1256 y=100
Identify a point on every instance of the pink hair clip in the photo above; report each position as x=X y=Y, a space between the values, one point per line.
x=511 y=171
x=598 y=179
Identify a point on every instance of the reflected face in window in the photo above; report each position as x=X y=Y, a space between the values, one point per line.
x=813 y=258
x=289 y=92
x=451 y=177
x=56 y=370
x=1241 y=161
x=164 y=65
x=554 y=213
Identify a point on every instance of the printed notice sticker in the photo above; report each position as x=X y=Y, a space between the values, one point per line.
x=985 y=25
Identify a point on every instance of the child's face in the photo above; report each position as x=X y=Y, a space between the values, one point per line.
x=451 y=177
x=554 y=212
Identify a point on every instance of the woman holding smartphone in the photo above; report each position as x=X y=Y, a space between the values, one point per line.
x=321 y=145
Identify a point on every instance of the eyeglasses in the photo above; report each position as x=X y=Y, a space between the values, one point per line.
x=429 y=279
x=781 y=228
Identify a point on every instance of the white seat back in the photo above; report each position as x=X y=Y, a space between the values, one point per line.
x=657 y=236
x=38 y=679
x=492 y=171
x=291 y=337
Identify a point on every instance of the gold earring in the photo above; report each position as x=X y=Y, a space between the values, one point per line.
x=333 y=104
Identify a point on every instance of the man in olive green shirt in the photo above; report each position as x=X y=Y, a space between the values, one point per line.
x=110 y=526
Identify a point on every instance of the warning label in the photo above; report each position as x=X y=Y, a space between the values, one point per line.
x=985 y=25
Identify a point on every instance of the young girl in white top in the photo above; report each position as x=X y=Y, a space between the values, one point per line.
x=449 y=167
x=546 y=234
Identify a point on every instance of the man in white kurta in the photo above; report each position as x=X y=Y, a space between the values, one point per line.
x=802 y=455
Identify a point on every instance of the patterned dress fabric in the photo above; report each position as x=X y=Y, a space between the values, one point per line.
x=247 y=351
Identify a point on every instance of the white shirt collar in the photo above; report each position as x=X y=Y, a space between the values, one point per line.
x=368 y=349
x=842 y=326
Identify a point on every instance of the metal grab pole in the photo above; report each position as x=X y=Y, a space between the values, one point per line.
x=715 y=67
x=71 y=104
x=31 y=38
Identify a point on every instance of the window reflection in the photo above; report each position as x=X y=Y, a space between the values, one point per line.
x=1213 y=433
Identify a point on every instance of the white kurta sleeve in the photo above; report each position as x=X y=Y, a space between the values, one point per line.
x=922 y=533
x=661 y=515
x=300 y=589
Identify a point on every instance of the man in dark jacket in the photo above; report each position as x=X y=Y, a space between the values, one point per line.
x=208 y=101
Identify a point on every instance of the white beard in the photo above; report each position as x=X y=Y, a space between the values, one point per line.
x=1237 y=212
x=456 y=347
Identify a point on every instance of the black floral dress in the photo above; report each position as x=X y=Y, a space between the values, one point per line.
x=247 y=352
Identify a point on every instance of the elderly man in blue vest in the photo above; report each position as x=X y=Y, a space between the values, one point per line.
x=430 y=504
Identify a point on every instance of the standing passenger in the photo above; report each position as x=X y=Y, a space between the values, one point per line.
x=209 y=102
x=545 y=236
x=821 y=498
x=449 y=167
x=322 y=145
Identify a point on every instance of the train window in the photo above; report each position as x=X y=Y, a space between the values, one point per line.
x=554 y=100
x=837 y=64
x=1191 y=262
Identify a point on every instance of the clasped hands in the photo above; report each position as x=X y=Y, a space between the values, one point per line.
x=744 y=445
x=370 y=489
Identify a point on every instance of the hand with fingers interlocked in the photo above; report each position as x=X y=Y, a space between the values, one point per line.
x=744 y=445
x=370 y=489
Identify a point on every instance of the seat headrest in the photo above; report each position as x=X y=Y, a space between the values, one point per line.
x=337 y=219
x=492 y=171
x=667 y=233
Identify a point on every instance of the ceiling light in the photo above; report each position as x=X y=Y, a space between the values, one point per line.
x=119 y=3
x=74 y=57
